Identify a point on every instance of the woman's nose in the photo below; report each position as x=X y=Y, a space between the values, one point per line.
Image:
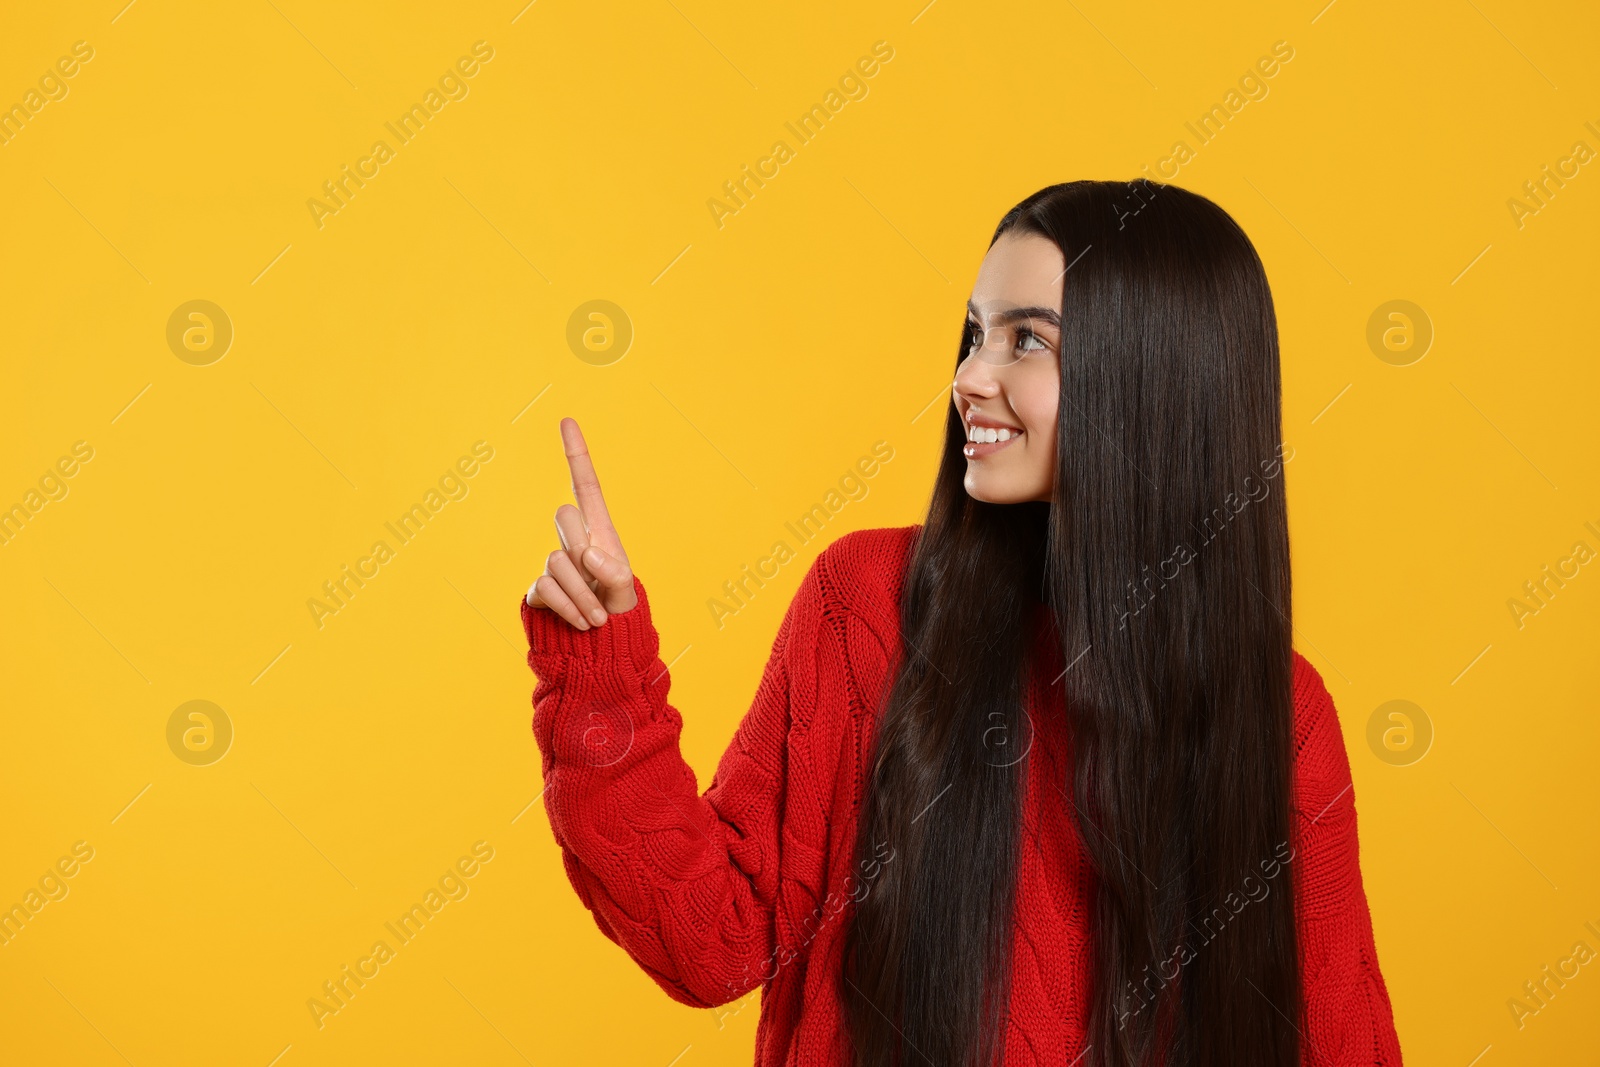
x=976 y=376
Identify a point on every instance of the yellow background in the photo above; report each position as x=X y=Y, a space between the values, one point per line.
x=768 y=355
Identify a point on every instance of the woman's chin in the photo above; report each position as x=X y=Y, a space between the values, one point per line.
x=992 y=490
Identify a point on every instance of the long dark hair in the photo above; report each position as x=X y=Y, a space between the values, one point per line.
x=1167 y=578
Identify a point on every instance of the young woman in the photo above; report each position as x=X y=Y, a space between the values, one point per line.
x=1040 y=778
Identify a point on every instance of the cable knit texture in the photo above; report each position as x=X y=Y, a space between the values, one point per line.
x=751 y=883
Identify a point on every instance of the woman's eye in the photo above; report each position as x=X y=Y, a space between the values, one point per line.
x=1027 y=340
x=974 y=335
x=1028 y=335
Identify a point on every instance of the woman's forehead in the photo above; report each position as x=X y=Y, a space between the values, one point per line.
x=1018 y=271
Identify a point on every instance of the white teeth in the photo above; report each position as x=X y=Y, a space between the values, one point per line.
x=989 y=435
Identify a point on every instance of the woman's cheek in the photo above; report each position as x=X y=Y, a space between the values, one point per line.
x=1041 y=426
x=1039 y=403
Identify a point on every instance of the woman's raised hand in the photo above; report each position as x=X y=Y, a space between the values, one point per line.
x=588 y=577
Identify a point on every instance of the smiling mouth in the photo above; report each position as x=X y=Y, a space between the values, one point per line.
x=985 y=441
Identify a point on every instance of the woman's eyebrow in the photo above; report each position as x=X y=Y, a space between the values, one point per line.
x=1049 y=315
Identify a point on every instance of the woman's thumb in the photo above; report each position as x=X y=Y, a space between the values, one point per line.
x=616 y=580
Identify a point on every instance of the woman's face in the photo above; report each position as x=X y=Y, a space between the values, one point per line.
x=1009 y=382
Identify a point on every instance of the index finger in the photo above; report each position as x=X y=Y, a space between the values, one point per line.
x=585 y=483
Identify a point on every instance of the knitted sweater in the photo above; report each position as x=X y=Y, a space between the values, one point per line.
x=750 y=883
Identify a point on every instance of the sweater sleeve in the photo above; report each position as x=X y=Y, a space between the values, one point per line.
x=1349 y=1020
x=686 y=883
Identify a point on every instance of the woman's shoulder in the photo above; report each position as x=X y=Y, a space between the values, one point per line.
x=1322 y=762
x=861 y=574
x=876 y=550
x=870 y=563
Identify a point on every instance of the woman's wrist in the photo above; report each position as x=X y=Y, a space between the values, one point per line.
x=630 y=633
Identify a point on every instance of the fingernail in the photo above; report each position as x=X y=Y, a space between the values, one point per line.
x=592 y=557
x=582 y=625
x=598 y=616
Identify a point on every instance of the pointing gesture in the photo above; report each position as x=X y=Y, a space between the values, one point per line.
x=588 y=577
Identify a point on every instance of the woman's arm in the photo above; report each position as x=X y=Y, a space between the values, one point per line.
x=1349 y=1019
x=686 y=883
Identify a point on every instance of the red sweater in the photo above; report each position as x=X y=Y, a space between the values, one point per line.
x=749 y=883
